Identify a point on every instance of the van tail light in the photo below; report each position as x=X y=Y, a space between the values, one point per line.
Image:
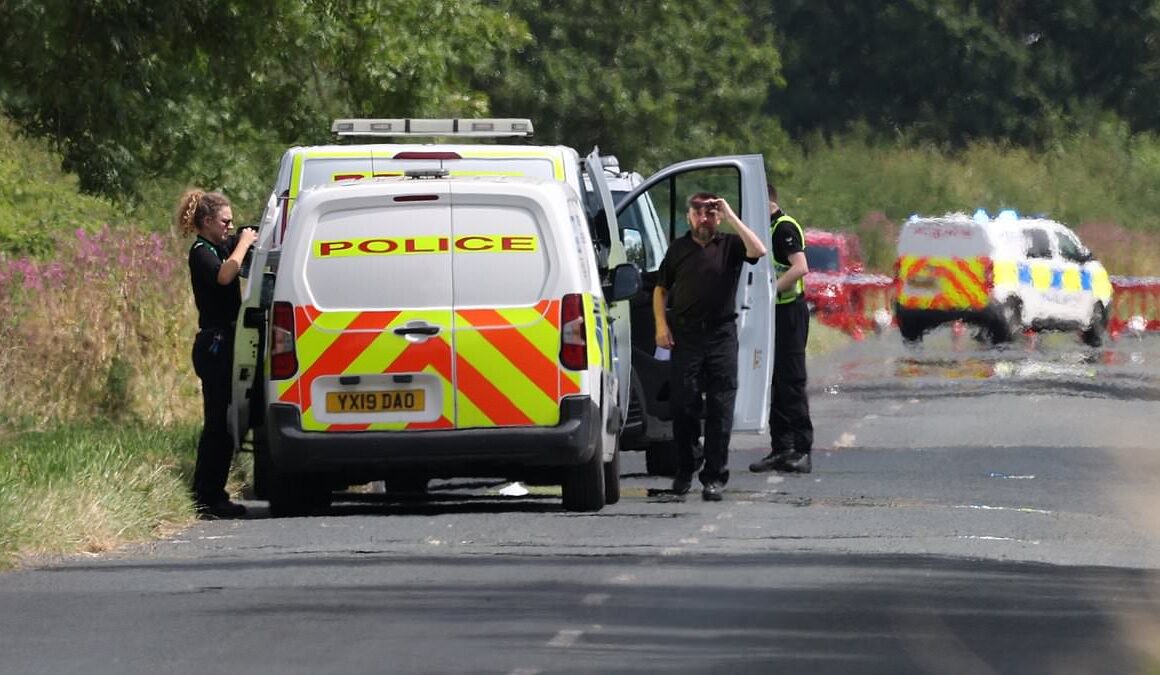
x=283 y=357
x=573 y=336
x=988 y=274
x=897 y=276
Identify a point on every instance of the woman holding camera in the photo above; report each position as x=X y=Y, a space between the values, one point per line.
x=215 y=258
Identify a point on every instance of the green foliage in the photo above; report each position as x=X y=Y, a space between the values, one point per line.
x=954 y=71
x=1102 y=177
x=37 y=202
x=652 y=82
x=214 y=90
x=91 y=488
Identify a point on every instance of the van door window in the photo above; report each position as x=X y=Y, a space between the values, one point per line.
x=1070 y=249
x=639 y=229
x=1037 y=244
x=490 y=239
x=670 y=197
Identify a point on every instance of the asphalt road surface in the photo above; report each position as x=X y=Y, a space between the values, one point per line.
x=971 y=511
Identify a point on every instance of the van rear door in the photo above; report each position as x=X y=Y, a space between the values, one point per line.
x=504 y=263
x=373 y=311
x=741 y=180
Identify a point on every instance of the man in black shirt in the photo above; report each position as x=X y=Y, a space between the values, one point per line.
x=698 y=278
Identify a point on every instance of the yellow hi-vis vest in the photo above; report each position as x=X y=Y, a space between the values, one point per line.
x=780 y=268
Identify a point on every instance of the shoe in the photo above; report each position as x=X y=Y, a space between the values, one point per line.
x=770 y=462
x=796 y=463
x=220 y=509
x=713 y=492
x=681 y=486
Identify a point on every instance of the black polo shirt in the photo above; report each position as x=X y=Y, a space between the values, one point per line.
x=217 y=305
x=702 y=280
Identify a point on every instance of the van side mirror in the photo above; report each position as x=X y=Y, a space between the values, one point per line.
x=626 y=283
x=1084 y=255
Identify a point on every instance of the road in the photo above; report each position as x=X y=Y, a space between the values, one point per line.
x=971 y=511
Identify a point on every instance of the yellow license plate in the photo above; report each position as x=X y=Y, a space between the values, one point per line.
x=391 y=400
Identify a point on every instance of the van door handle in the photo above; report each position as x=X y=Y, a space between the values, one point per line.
x=417 y=330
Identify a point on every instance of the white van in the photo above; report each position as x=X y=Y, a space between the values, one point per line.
x=438 y=327
x=1004 y=274
x=741 y=179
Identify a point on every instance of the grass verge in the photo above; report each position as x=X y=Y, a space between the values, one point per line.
x=91 y=488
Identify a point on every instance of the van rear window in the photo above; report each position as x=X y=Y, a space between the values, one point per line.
x=393 y=256
x=508 y=263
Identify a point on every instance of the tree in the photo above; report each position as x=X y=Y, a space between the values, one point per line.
x=650 y=81
x=214 y=89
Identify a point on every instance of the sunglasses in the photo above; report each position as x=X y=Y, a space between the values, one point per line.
x=702 y=206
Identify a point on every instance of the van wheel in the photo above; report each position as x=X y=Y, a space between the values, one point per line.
x=297 y=494
x=660 y=458
x=584 y=484
x=1009 y=325
x=612 y=478
x=910 y=329
x=1093 y=335
x=403 y=482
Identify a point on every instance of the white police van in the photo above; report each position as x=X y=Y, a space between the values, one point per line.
x=1004 y=275
x=741 y=179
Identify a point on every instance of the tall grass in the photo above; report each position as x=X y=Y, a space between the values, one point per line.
x=1101 y=183
x=91 y=488
x=100 y=331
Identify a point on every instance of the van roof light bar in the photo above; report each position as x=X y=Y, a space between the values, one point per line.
x=479 y=128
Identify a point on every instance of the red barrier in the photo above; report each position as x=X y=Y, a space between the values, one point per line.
x=1135 y=305
x=870 y=305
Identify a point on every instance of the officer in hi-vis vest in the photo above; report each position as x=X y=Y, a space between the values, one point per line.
x=790 y=430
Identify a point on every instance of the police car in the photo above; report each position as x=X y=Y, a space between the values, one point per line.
x=1004 y=274
x=740 y=178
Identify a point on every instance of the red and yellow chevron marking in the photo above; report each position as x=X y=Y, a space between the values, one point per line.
x=954 y=283
x=508 y=366
x=503 y=370
x=340 y=343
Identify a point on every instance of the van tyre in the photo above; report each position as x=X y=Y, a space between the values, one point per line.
x=297 y=494
x=910 y=329
x=1093 y=335
x=612 y=479
x=584 y=484
x=1010 y=323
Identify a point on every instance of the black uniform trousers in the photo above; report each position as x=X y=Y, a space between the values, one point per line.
x=704 y=361
x=213 y=363
x=790 y=428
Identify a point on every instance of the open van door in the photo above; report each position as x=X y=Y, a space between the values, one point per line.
x=741 y=180
x=607 y=239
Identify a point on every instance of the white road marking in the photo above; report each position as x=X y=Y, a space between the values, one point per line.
x=708 y=528
x=565 y=638
x=624 y=579
x=984 y=537
x=595 y=599
x=774 y=480
x=526 y=671
x=1020 y=509
x=689 y=541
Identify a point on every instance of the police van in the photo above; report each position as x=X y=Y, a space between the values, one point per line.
x=474 y=152
x=1004 y=274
